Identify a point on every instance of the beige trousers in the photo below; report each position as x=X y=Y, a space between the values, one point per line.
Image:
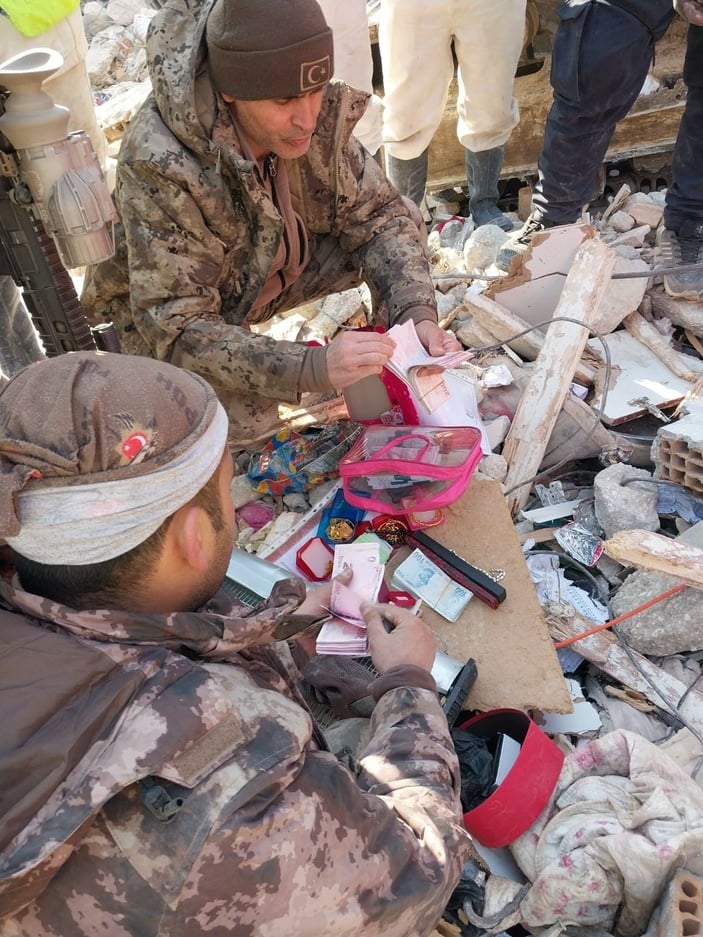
x=415 y=42
x=353 y=63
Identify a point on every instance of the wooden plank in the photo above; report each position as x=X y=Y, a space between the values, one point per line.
x=548 y=385
x=650 y=550
x=503 y=323
x=515 y=657
x=645 y=332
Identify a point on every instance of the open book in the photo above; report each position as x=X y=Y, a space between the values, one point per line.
x=423 y=373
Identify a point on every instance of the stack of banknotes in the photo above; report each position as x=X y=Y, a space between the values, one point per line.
x=345 y=631
x=423 y=578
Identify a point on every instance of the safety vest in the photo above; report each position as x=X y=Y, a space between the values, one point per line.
x=34 y=17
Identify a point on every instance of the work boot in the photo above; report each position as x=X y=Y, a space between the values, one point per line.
x=409 y=176
x=520 y=240
x=482 y=174
x=683 y=247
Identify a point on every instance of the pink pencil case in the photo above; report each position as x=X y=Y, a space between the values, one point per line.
x=400 y=469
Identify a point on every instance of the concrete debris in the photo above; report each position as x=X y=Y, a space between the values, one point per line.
x=625 y=498
x=481 y=248
x=620 y=221
x=670 y=627
x=607 y=404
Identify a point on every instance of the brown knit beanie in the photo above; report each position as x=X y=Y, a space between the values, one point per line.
x=263 y=49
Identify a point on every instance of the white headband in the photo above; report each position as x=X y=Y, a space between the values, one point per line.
x=82 y=524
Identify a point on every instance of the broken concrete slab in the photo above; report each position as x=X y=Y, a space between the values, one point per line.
x=536 y=279
x=672 y=626
x=625 y=497
x=620 y=221
x=682 y=312
x=533 y=291
x=643 y=210
x=605 y=651
x=638 y=379
x=622 y=296
x=336 y=310
x=115 y=114
x=242 y=491
x=482 y=246
x=635 y=237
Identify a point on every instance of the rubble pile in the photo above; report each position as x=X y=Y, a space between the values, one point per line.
x=116 y=61
x=596 y=435
x=588 y=379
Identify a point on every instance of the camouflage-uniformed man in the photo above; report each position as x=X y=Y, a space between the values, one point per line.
x=161 y=774
x=243 y=193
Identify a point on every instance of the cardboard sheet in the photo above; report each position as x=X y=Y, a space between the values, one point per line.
x=514 y=653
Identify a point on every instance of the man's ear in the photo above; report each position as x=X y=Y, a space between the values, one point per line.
x=192 y=536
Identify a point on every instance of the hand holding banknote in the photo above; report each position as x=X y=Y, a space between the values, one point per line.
x=409 y=640
x=316 y=603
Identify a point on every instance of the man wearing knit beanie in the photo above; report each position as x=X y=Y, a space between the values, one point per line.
x=161 y=773
x=243 y=193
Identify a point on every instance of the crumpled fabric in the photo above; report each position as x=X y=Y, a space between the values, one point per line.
x=623 y=817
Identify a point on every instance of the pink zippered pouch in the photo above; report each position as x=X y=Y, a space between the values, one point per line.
x=401 y=469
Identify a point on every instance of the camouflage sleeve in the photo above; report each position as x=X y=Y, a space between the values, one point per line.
x=176 y=265
x=377 y=224
x=332 y=853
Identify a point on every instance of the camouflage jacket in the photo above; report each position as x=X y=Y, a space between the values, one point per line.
x=201 y=231
x=162 y=777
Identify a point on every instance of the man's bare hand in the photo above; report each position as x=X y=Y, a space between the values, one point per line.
x=690 y=10
x=352 y=356
x=409 y=641
x=437 y=342
x=317 y=598
x=316 y=604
